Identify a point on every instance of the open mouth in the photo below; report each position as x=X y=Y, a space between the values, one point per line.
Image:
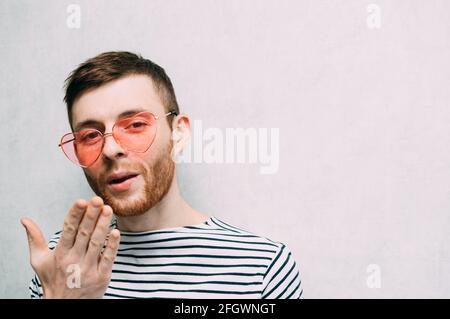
x=122 y=183
x=122 y=179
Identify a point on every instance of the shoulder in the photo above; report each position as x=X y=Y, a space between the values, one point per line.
x=223 y=228
x=282 y=276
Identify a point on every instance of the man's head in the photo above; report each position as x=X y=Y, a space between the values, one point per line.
x=98 y=93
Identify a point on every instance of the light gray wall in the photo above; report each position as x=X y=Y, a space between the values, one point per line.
x=363 y=116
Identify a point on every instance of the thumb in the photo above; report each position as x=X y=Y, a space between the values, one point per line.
x=36 y=240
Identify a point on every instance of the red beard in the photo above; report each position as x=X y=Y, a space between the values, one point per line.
x=157 y=181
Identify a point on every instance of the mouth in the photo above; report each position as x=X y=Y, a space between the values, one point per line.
x=121 y=182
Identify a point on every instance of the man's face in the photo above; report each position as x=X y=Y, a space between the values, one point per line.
x=154 y=168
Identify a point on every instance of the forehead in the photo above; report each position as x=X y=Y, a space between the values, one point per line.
x=105 y=103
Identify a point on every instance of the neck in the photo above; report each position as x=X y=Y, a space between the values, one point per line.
x=172 y=211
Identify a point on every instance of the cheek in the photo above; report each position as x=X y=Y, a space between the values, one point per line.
x=154 y=152
x=144 y=159
x=92 y=172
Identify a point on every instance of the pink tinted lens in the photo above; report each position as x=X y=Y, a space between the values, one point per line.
x=137 y=133
x=83 y=148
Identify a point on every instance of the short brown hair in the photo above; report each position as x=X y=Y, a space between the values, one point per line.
x=110 y=66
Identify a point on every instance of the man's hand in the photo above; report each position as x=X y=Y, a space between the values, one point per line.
x=78 y=252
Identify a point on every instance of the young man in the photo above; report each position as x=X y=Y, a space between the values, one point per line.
x=126 y=131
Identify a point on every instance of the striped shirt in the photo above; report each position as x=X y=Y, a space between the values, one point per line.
x=208 y=260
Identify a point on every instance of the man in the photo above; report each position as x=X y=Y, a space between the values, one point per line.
x=126 y=132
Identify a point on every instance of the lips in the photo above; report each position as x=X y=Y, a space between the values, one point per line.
x=123 y=181
x=120 y=177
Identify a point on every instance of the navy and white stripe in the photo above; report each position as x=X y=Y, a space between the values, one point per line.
x=209 y=260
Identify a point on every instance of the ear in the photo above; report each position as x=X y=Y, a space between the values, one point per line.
x=181 y=134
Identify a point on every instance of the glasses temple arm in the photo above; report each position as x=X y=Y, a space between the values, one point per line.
x=65 y=142
x=171 y=112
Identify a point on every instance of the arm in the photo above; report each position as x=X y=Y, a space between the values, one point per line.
x=282 y=278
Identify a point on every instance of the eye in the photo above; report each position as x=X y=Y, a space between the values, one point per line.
x=136 y=126
x=89 y=136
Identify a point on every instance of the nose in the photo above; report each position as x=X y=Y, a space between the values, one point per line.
x=111 y=148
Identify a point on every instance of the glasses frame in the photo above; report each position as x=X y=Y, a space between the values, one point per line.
x=105 y=135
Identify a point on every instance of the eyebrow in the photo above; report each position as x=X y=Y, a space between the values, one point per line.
x=91 y=122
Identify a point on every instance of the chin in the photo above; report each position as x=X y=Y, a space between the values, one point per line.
x=128 y=205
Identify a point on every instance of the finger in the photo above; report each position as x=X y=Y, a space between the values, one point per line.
x=110 y=253
x=87 y=225
x=99 y=235
x=71 y=224
x=36 y=241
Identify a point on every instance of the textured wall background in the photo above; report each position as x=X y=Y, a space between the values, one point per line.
x=363 y=115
